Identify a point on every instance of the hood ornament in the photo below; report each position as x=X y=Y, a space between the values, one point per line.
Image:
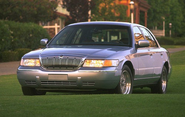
x=61 y=56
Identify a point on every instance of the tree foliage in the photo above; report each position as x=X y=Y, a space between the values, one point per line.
x=108 y=10
x=78 y=9
x=182 y=5
x=14 y=35
x=159 y=9
x=176 y=18
x=169 y=11
x=28 y=10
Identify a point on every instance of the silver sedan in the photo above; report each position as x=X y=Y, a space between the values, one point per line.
x=96 y=55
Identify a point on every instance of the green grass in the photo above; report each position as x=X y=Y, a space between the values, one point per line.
x=141 y=104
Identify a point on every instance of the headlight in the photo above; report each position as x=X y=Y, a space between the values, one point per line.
x=100 y=63
x=30 y=62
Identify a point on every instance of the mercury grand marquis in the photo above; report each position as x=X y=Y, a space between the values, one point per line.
x=114 y=56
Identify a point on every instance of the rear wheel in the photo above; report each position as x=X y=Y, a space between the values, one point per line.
x=125 y=85
x=162 y=84
x=32 y=91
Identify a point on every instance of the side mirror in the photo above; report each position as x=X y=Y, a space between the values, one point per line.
x=43 y=42
x=143 y=43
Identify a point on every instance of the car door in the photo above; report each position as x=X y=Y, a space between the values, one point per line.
x=155 y=55
x=158 y=55
x=145 y=69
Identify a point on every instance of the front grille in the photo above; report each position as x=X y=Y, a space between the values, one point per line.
x=30 y=82
x=62 y=83
x=88 y=83
x=61 y=62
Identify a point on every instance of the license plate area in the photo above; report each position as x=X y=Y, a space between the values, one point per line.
x=62 y=77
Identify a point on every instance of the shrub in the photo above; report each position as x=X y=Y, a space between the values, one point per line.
x=21 y=35
x=22 y=51
x=171 y=40
x=166 y=41
x=179 y=41
x=9 y=56
x=13 y=55
x=15 y=35
x=5 y=37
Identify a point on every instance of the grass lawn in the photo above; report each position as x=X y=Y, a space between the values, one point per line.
x=141 y=104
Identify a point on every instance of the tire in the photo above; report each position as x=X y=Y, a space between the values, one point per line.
x=32 y=91
x=161 y=86
x=125 y=85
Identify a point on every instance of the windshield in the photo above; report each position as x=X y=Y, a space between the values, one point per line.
x=93 y=35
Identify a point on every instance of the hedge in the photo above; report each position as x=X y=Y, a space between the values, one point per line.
x=9 y=56
x=5 y=37
x=22 y=51
x=13 y=55
x=16 y=39
x=171 y=40
x=14 y=35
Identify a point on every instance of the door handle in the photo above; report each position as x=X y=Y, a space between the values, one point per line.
x=161 y=54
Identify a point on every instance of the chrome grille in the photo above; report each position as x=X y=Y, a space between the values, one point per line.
x=61 y=62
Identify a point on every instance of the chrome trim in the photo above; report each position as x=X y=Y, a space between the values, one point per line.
x=147 y=78
x=97 y=70
x=29 y=69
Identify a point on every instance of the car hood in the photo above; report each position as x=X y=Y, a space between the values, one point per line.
x=83 y=51
x=80 y=51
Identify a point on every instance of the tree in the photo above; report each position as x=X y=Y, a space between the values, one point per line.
x=171 y=10
x=78 y=9
x=28 y=10
x=176 y=18
x=182 y=4
x=109 y=10
x=159 y=9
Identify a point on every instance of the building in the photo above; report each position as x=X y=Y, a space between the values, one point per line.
x=53 y=27
x=140 y=10
x=140 y=15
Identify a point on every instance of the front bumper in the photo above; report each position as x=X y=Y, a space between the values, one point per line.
x=83 y=78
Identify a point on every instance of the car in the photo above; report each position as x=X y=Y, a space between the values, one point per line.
x=99 y=55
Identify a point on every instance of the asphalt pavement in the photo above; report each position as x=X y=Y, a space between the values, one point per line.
x=8 y=68
x=172 y=50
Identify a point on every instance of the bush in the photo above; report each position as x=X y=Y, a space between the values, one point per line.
x=5 y=37
x=15 y=35
x=22 y=51
x=165 y=41
x=171 y=40
x=13 y=55
x=20 y=35
x=9 y=56
x=179 y=41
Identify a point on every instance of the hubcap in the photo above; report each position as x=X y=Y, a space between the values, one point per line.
x=125 y=83
x=164 y=81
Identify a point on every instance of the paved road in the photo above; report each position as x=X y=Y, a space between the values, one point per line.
x=8 y=68
x=172 y=50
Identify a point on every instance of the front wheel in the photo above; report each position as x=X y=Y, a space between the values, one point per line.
x=125 y=85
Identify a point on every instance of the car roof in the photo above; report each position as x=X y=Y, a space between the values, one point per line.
x=104 y=23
